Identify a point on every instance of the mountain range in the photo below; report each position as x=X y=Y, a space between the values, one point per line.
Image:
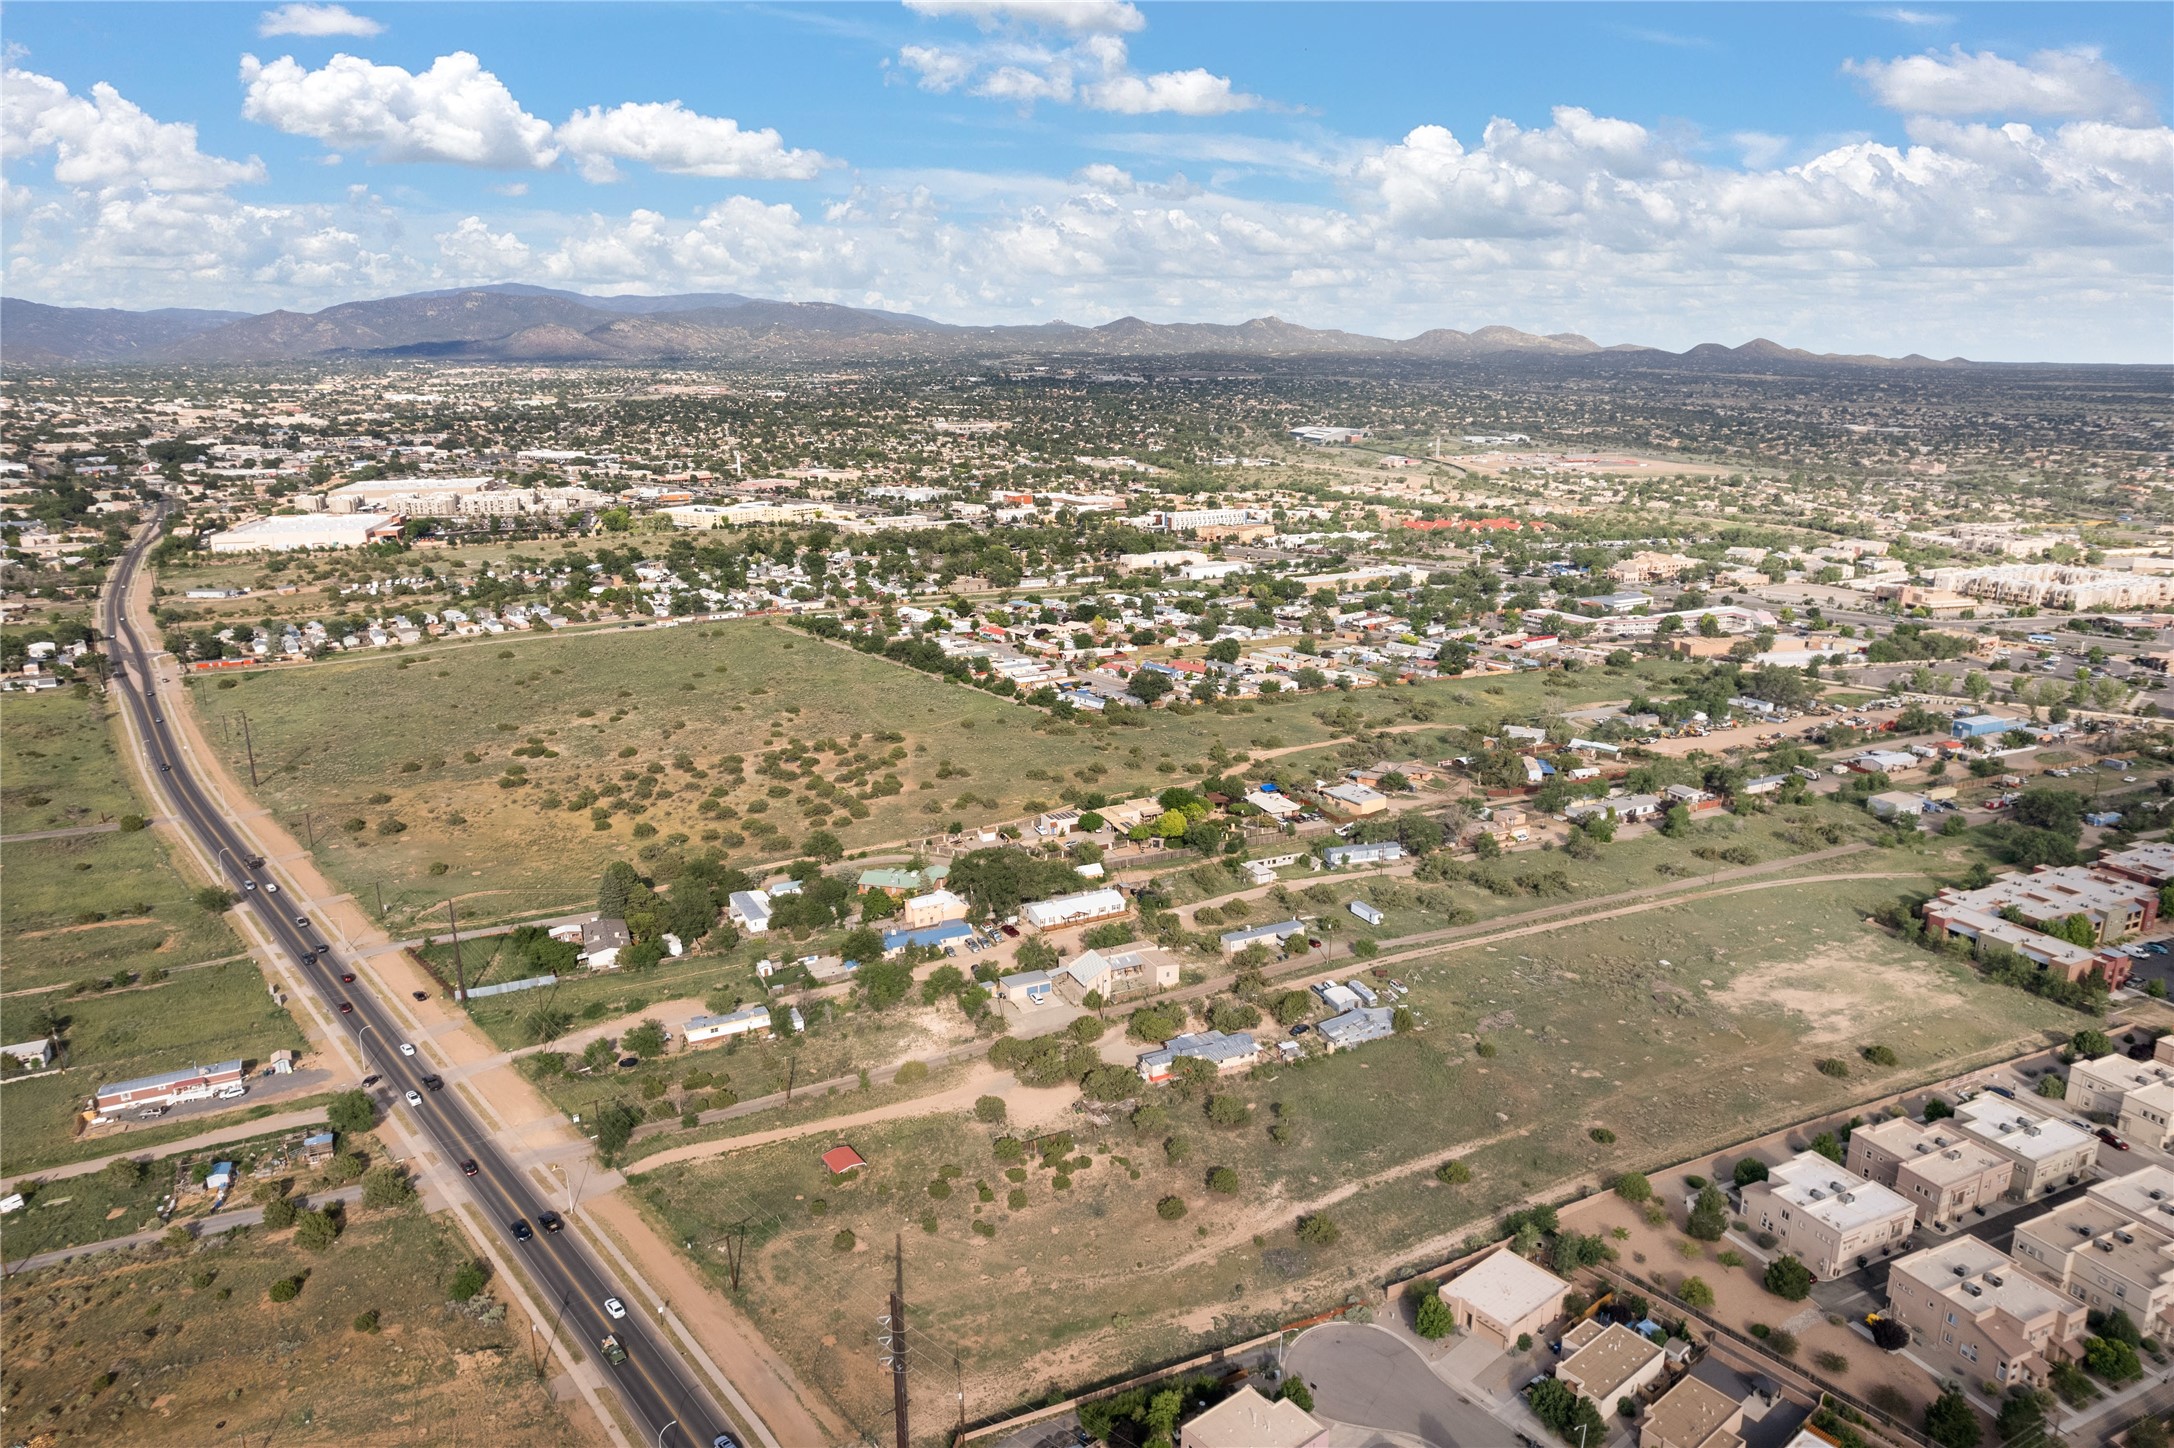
x=515 y=322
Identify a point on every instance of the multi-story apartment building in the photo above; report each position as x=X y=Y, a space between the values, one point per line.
x=2104 y=1259
x=2047 y=1154
x=2138 y=1095
x=1972 y=1311
x=1942 y=1171
x=1827 y=1216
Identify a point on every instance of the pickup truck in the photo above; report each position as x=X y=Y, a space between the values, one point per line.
x=613 y=1352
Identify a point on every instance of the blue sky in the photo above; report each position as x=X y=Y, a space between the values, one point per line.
x=1981 y=180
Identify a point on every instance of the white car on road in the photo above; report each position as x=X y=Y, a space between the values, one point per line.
x=407 y=1048
x=615 y=1309
x=414 y=1098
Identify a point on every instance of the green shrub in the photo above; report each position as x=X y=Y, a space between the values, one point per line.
x=286 y=1289
x=1170 y=1208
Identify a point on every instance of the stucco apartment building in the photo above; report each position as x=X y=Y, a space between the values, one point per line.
x=1827 y=1216
x=2102 y=1258
x=2139 y=1095
x=1943 y=1172
x=1607 y=1362
x=1504 y=1297
x=1972 y=1311
x=2047 y=1154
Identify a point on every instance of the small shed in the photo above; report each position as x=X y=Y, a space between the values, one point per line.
x=842 y=1159
x=1365 y=912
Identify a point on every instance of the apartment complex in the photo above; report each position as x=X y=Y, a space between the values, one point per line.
x=1942 y=1172
x=2047 y=1154
x=2103 y=1258
x=2139 y=1095
x=1973 y=1312
x=1827 y=1216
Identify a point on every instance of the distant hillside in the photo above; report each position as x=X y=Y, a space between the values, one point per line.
x=518 y=322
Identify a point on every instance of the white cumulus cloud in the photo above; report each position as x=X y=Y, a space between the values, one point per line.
x=1094 y=72
x=317 y=21
x=2076 y=83
x=106 y=142
x=455 y=112
x=1080 y=17
x=672 y=138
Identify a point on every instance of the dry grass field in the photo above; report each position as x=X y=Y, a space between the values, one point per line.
x=1677 y=1029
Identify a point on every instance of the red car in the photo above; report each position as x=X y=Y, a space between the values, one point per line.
x=2107 y=1136
x=469 y=1167
x=346 y=1009
x=347 y=977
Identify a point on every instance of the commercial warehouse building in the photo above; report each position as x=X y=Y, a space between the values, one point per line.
x=293 y=532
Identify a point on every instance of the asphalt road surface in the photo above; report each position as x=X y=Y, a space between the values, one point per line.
x=1366 y=1376
x=657 y=1394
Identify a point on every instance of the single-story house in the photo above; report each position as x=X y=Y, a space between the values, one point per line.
x=1246 y=1419
x=1344 y=857
x=317 y=1148
x=1608 y=1362
x=1354 y=801
x=1235 y=1051
x=891 y=880
x=31 y=1055
x=1276 y=806
x=936 y=936
x=601 y=941
x=1356 y=1027
x=192 y=1084
x=1337 y=996
x=1764 y=784
x=1027 y=988
x=1084 y=908
x=750 y=910
x=1893 y=804
x=748 y=1020
x=1504 y=1297
x=1234 y=941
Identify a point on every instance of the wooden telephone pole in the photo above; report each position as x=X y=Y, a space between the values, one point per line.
x=460 y=978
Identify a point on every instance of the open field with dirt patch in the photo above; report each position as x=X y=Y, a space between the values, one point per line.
x=664 y=730
x=1676 y=1029
x=184 y=1346
x=197 y=1017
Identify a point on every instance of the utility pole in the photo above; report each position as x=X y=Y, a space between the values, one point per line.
x=898 y=1340
x=792 y=1069
x=379 y=886
x=736 y=1249
x=460 y=979
x=252 y=748
x=310 y=825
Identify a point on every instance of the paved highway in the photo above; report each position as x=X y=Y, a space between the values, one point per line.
x=665 y=1406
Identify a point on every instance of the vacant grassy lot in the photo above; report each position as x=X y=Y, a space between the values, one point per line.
x=663 y=731
x=185 y=1347
x=1676 y=1029
x=89 y=905
x=195 y=1017
x=94 y=905
x=57 y=765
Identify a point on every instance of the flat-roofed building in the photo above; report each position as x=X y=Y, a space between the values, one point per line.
x=1693 y=1414
x=2048 y=1154
x=191 y=1084
x=1974 y=1313
x=2146 y=1195
x=933 y=908
x=2150 y=863
x=1228 y=1053
x=1064 y=911
x=2139 y=1095
x=2051 y=894
x=1606 y=1362
x=1942 y=1171
x=292 y=532
x=2104 y=1259
x=1827 y=1216
x=1125 y=971
x=1504 y=1297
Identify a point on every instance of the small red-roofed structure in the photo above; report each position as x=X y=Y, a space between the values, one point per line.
x=842 y=1159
